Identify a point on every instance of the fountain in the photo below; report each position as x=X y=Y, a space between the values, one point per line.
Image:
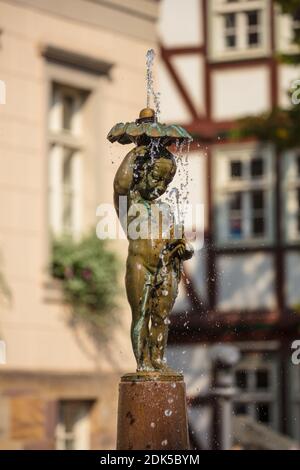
x=152 y=409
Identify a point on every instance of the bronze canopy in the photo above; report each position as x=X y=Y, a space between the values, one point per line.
x=147 y=128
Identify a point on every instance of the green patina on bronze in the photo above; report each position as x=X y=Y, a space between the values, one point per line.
x=146 y=128
x=154 y=265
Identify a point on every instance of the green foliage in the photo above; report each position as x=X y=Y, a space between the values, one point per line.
x=280 y=126
x=88 y=272
x=288 y=6
x=296 y=309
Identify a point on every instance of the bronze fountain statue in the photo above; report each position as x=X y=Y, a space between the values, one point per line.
x=153 y=264
x=152 y=404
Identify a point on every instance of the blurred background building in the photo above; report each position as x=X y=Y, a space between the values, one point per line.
x=73 y=69
x=219 y=64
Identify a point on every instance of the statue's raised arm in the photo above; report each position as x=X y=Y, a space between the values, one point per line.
x=124 y=177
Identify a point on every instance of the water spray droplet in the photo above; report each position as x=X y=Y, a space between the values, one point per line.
x=150 y=88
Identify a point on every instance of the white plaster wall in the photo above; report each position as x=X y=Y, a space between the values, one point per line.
x=197 y=195
x=182 y=303
x=245 y=282
x=195 y=363
x=173 y=108
x=240 y=92
x=289 y=195
x=284 y=36
x=292 y=271
x=180 y=23
x=196 y=271
x=286 y=76
x=191 y=174
x=190 y=69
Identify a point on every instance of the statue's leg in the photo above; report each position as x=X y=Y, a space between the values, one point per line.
x=161 y=308
x=138 y=287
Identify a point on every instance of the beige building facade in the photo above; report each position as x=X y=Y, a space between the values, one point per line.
x=70 y=70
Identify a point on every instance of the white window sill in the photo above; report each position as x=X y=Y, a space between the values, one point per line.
x=236 y=55
x=259 y=243
x=292 y=240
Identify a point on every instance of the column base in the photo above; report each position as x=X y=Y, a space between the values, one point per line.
x=152 y=412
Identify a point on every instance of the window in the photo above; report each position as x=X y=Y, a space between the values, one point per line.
x=68 y=111
x=236 y=169
x=235 y=215
x=230 y=29
x=73 y=427
x=65 y=158
x=291 y=195
x=296 y=25
x=243 y=196
x=262 y=379
x=253 y=28
x=256 y=380
x=257 y=168
x=239 y=27
x=241 y=379
x=257 y=213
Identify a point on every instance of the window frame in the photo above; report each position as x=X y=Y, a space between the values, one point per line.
x=223 y=187
x=284 y=28
x=216 y=12
x=61 y=139
x=253 y=396
x=290 y=187
x=80 y=435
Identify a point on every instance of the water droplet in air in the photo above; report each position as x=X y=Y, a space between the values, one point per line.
x=164 y=443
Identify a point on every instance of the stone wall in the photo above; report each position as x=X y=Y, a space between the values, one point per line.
x=29 y=408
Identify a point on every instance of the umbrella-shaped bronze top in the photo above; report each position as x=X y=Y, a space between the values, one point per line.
x=145 y=129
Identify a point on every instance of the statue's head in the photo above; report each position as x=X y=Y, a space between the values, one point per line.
x=153 y=174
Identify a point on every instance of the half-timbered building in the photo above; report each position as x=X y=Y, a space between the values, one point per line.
x=218 y=64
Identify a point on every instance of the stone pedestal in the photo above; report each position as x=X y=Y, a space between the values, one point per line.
x=152 y=412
